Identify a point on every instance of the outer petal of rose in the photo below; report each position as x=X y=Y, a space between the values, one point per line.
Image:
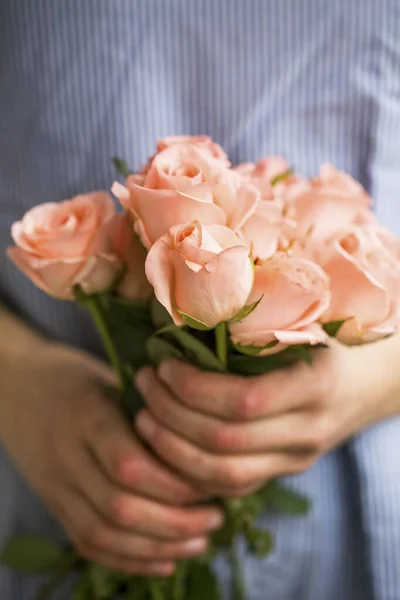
x=122 y=193
x=341 y=184
x=126 y=247
x=262 y=234
x=219 y=290
x=285 y=301
x=202 y=141
x=323 y=214
x=55 y=277
x=160 y=273
x=224 y=236
x=98 y=273
x=354 y=292
x=238 y=200
x=314 y=334
x=351 y=333
x=161 y=209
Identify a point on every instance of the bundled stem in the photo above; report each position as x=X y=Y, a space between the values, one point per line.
x=93 y=306
x=238 y=584
x=221 y=343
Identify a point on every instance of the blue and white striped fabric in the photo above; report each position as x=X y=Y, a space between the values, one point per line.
x=313 y=80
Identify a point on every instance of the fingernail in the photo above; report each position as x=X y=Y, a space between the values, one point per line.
x=196 y=545
x=215 y=521
x=146 y=425
x=143 y=381
x=164 y=372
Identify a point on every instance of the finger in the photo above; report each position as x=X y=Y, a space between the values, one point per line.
x=292 y=430
x=241 y=398
x=136 y=513
x=129 y=465
x=89 y=531
x=210 y=469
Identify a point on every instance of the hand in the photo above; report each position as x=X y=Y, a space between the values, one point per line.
x=229 y=434
x=119 y=505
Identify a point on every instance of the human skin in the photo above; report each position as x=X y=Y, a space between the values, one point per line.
x=117 y=503
x=229 y=434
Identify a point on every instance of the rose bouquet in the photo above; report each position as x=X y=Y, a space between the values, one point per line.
x=241 y=270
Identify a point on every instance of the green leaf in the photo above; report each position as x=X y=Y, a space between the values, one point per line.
x=332 y=328
x=104 y=582
x=287 y=501
x=33 y=554
x=281 y=177
x=202 y=583
x=303 y=353
x=254 y=350
x=130 y=325
x=259 y=542
x=254 y=365
x=193 y=323
x=159 y=350
x=246 y=311
x=257 y=365
x=196 y=352
x=121 y=167
x=257 y=502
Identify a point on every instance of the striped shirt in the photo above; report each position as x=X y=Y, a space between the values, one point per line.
x=312 y=80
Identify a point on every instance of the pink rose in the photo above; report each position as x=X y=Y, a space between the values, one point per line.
x=364 y=269
x=267 y=230
x=328 y=203
x=263 y=172
x=295 y=293
x=126 y=246
x=201 y=141
x=185 y=183
x=203 y=272
x=61 y=245
x=204 y=142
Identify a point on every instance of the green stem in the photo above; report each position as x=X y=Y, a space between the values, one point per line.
x=156 y=592
x=178 y=581
x=93 y=306
x=238 y=583
x=221 y=343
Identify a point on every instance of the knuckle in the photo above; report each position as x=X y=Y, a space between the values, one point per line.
x=129 y=470
x=249 y=402
x=227 y=438
x=119 y=512
x=319 y=434
x=230 y=476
